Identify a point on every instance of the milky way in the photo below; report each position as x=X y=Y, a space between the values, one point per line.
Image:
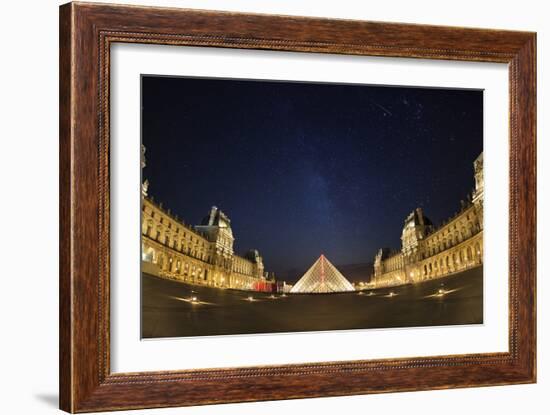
x=303 y=169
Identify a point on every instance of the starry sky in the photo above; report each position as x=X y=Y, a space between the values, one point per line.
x=306 y=168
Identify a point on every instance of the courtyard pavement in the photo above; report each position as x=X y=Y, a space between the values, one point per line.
x=174 y=309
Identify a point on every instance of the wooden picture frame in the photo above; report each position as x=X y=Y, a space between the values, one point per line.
x=86 y=33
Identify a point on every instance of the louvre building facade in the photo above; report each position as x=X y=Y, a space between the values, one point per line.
x=429 y=252
x=201 y=254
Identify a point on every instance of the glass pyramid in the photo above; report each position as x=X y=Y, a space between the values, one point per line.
x=322 y=277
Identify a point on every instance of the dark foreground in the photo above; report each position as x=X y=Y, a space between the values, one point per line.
x=168 y=312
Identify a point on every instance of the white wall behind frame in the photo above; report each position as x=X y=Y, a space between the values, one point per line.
x=28 y=167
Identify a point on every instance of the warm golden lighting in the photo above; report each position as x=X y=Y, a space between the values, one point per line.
x=428 y=251
x=322 y=277
x=198 y=261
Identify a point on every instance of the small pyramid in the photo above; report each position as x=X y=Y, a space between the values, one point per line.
x=322 y=277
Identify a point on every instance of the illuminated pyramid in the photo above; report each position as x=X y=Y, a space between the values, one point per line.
x=322 y=277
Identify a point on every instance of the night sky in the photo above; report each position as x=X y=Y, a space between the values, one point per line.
x=304 y=168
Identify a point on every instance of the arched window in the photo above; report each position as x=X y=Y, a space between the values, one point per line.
x=469 y=253
x=148 y=254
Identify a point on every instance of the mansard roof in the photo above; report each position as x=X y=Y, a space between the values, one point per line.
x=215 y=218
x=418 y=217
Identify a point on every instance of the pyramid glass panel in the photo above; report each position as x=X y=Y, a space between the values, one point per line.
x=322 y=277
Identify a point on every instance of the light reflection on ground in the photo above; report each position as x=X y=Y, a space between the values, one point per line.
x=190 y=300
x=168 y=309
x=442 y=293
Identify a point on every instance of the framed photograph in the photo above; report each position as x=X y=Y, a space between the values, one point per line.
x=258 y=207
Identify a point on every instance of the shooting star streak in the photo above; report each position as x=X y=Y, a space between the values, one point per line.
x=387 y=111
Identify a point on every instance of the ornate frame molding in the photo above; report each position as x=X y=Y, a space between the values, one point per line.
x=86 y=33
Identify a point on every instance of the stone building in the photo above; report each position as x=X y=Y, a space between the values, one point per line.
x=428 y=251
x=201 y=254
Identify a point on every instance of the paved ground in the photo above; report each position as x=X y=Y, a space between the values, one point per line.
x=167 y=309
